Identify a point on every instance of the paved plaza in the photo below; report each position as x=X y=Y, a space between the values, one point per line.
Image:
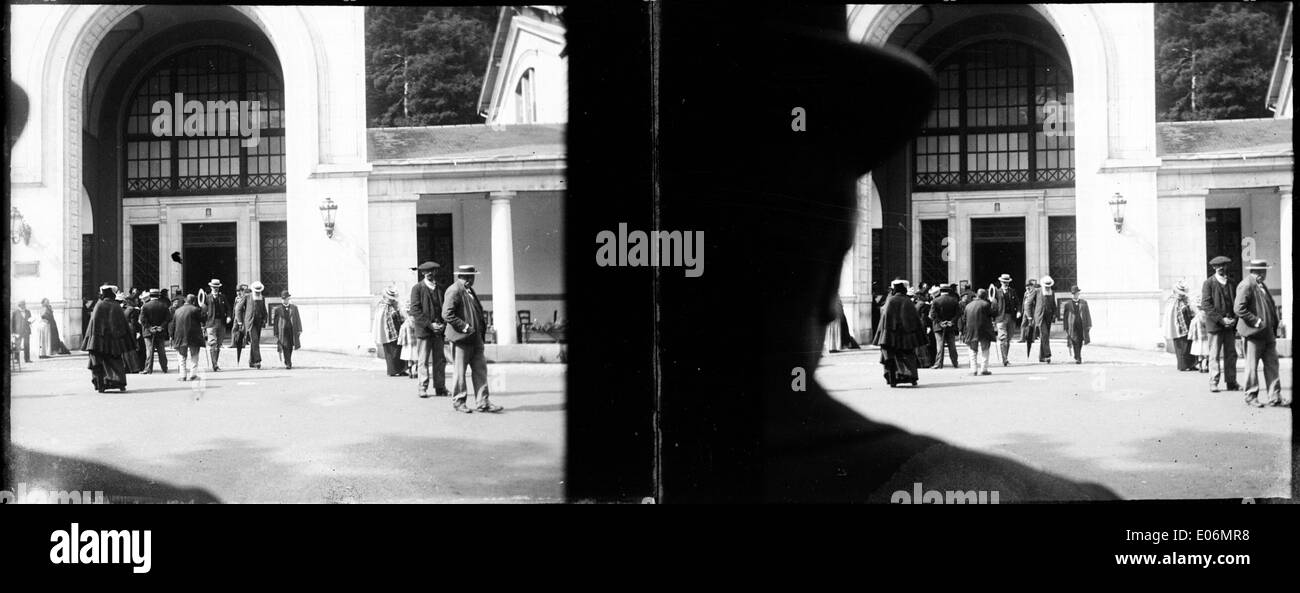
x=334 y=429
x=1124 y=418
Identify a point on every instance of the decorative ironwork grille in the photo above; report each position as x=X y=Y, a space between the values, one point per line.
x=987 y=128
x=275 y=256
x=1062 y=252
x=144 y=256
x=212 y=160
x=934 y=269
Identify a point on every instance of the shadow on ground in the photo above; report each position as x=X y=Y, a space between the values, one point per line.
x=1175 y=465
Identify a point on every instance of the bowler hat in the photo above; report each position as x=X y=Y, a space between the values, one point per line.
x=428 y=266
x=1220 y=261
x=466 y=270
x=284 y=294
x=1074 y=288
x=1004 y=278
x=1257 y=264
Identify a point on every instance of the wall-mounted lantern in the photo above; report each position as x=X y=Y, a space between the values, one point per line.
x=19 y=231
x=1117 y=211
x=327 y=211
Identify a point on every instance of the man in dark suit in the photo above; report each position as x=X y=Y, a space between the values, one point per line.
x=1044 y=308
x=1217 y=296
x=216 y=315
x=1257 y=322
x=1006 y=308
x=944 y=312
x=286 y=323
x=1078 y=323
x=155 y=316
x=467 y=328
x=187 y=336
x=426 y=313
x=978 y=331
x=20 y=324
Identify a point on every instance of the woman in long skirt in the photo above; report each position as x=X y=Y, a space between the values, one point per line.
x=1178 y=322
x=407 y=343
x=108 y=339
x=898 y=336
x=387 y=325
x=50 y=343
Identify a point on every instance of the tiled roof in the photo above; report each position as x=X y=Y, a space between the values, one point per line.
x=1229 y=136
x=442 y=143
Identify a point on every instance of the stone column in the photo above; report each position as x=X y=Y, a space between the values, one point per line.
x=1284 y=195
x=503 y=268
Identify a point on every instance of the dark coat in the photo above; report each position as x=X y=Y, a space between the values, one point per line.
x=155 y=313
x=251 y=312
x=1217 y=300
x=215 y=310
x=1078 y=320
x=944 y=308
x=1254 y=303
x=187 y=327
x=287 y=326
x=108 y=333
x=426 y=310
x=464 y=315
x=1006 y=304
x=900 y=326
x=979 y=322
x=20 y=322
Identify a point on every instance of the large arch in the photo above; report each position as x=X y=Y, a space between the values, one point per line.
x=83 y=28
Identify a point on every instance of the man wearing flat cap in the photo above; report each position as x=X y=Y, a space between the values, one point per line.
x=1257 y=322
x=466 y=329
x=1217 y=302
x=426 y=313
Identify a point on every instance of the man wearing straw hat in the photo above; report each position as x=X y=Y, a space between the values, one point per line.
x=1044 y=308
x=216 y=314
x=1257 y=322
x=251 y=314
x=1217 y=301
x=466 y=329
x=426 y=315
x=1006 y=308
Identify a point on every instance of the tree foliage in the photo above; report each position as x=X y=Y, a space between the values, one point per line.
x=439 y=54
x=1235 y=46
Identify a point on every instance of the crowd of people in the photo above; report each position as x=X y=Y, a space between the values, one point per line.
x=413 y=338
x=1208 y=332
x=920 y=325
x=126 y=332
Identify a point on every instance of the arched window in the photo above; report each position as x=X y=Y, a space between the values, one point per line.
x=1000 y=119
x=526 y=99
x=230 y=141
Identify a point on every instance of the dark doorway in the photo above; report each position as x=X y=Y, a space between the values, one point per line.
x=433 y=242
x=997 y=247
x=1223 y=237
x=209 y=253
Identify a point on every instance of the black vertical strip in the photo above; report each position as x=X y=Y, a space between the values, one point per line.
x=653 y=19
x=610 y=398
